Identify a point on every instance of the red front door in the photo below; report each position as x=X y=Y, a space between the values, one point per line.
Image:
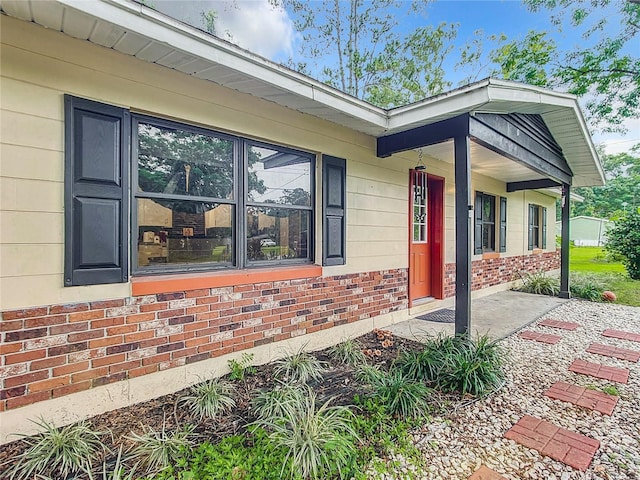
x=419 y=241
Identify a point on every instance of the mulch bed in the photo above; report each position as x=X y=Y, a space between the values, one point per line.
x=338 y=383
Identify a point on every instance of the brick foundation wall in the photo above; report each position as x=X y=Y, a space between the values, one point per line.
x=52 y=351
x=488 y=272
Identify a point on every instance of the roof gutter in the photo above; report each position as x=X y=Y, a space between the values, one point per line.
x=148 y=23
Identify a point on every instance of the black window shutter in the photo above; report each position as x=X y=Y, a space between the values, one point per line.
x=96 y=186
x=531 y=214
x=334 y=199
x=477 y=232
x=544 y=227
x=503 y=224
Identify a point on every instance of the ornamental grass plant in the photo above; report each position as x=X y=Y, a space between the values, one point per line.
x=58 y=452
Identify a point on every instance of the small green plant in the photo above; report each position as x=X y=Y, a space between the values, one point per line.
x=242 y=367
x=401 y=396
x=153 y=450
x=475 y=368
x=235 y=457
x=278 y=401
x=611 y=390
x=383 y=437
x=456 y=364
x=318 y=439
x=210 y=398
x=299 y=367
x=58 y=452
x=348 y=351
x=540 y=284
x=586 y=287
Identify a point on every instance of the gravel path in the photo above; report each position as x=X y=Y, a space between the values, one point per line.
x=457 y=444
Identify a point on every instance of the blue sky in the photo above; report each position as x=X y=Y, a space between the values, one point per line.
x=254 y=25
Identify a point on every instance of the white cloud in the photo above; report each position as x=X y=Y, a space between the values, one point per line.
x=256 y=26
x=252 y=24
x=614 y=143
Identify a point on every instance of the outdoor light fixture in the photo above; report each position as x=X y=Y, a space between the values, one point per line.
x=420 y=165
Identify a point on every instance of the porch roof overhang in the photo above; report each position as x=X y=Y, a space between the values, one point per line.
x=133 y=29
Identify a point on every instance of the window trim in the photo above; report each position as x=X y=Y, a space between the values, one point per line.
x=238 y=202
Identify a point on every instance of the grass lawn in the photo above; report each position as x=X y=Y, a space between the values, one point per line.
x=590 y=260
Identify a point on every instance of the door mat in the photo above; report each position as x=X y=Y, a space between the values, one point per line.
x=445 y=315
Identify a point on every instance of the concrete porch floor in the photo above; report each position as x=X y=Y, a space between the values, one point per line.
x=497 y=315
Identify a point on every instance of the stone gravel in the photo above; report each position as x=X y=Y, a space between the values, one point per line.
x=456 y=444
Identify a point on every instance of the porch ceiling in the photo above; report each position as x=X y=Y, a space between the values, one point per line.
x=484 y=161
x=139 y=31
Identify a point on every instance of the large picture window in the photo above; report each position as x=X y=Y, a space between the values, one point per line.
x=205 y=199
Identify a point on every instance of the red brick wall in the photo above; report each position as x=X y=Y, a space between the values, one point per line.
x=494 y=271
x=52 y=351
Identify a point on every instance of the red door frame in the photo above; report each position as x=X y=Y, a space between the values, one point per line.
x=435 y=227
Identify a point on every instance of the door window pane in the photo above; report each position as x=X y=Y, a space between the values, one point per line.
x=419 y=201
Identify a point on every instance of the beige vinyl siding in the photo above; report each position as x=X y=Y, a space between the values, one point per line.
x=39 y=66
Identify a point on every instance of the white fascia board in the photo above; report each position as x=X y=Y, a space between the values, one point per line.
x=461 y=100
x=146 y=22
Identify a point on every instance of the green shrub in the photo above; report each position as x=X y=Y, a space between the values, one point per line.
x=209 y=399
x=456 y=364
x=382 y=438
x=299 y=367
x=474 y=368
x=319 y=440
x=154 y=451
x=242 y=367
x=235 y=457
x=624 y=239
x=401 y=396
x=586 y=287
x=348 y=351
x=540 y=284
x=58 y=452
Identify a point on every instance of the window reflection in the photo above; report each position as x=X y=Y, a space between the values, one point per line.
x=183 y=232
x=180 y=162
x=279 y=177
x=277 y=233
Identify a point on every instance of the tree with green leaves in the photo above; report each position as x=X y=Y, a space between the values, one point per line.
x=370 y=57
x=621 y=192
x=624 y=239
x=604 y=69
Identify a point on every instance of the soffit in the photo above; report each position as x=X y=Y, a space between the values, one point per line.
x=136 y=30
x=484 y=162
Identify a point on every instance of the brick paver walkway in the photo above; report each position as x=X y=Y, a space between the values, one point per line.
x=613 y=374
x=571 y=448
x=615 y=352
x=540 y=337
x=559 y=324
x=632 y=337
x=591 y=399
x=485 y=473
